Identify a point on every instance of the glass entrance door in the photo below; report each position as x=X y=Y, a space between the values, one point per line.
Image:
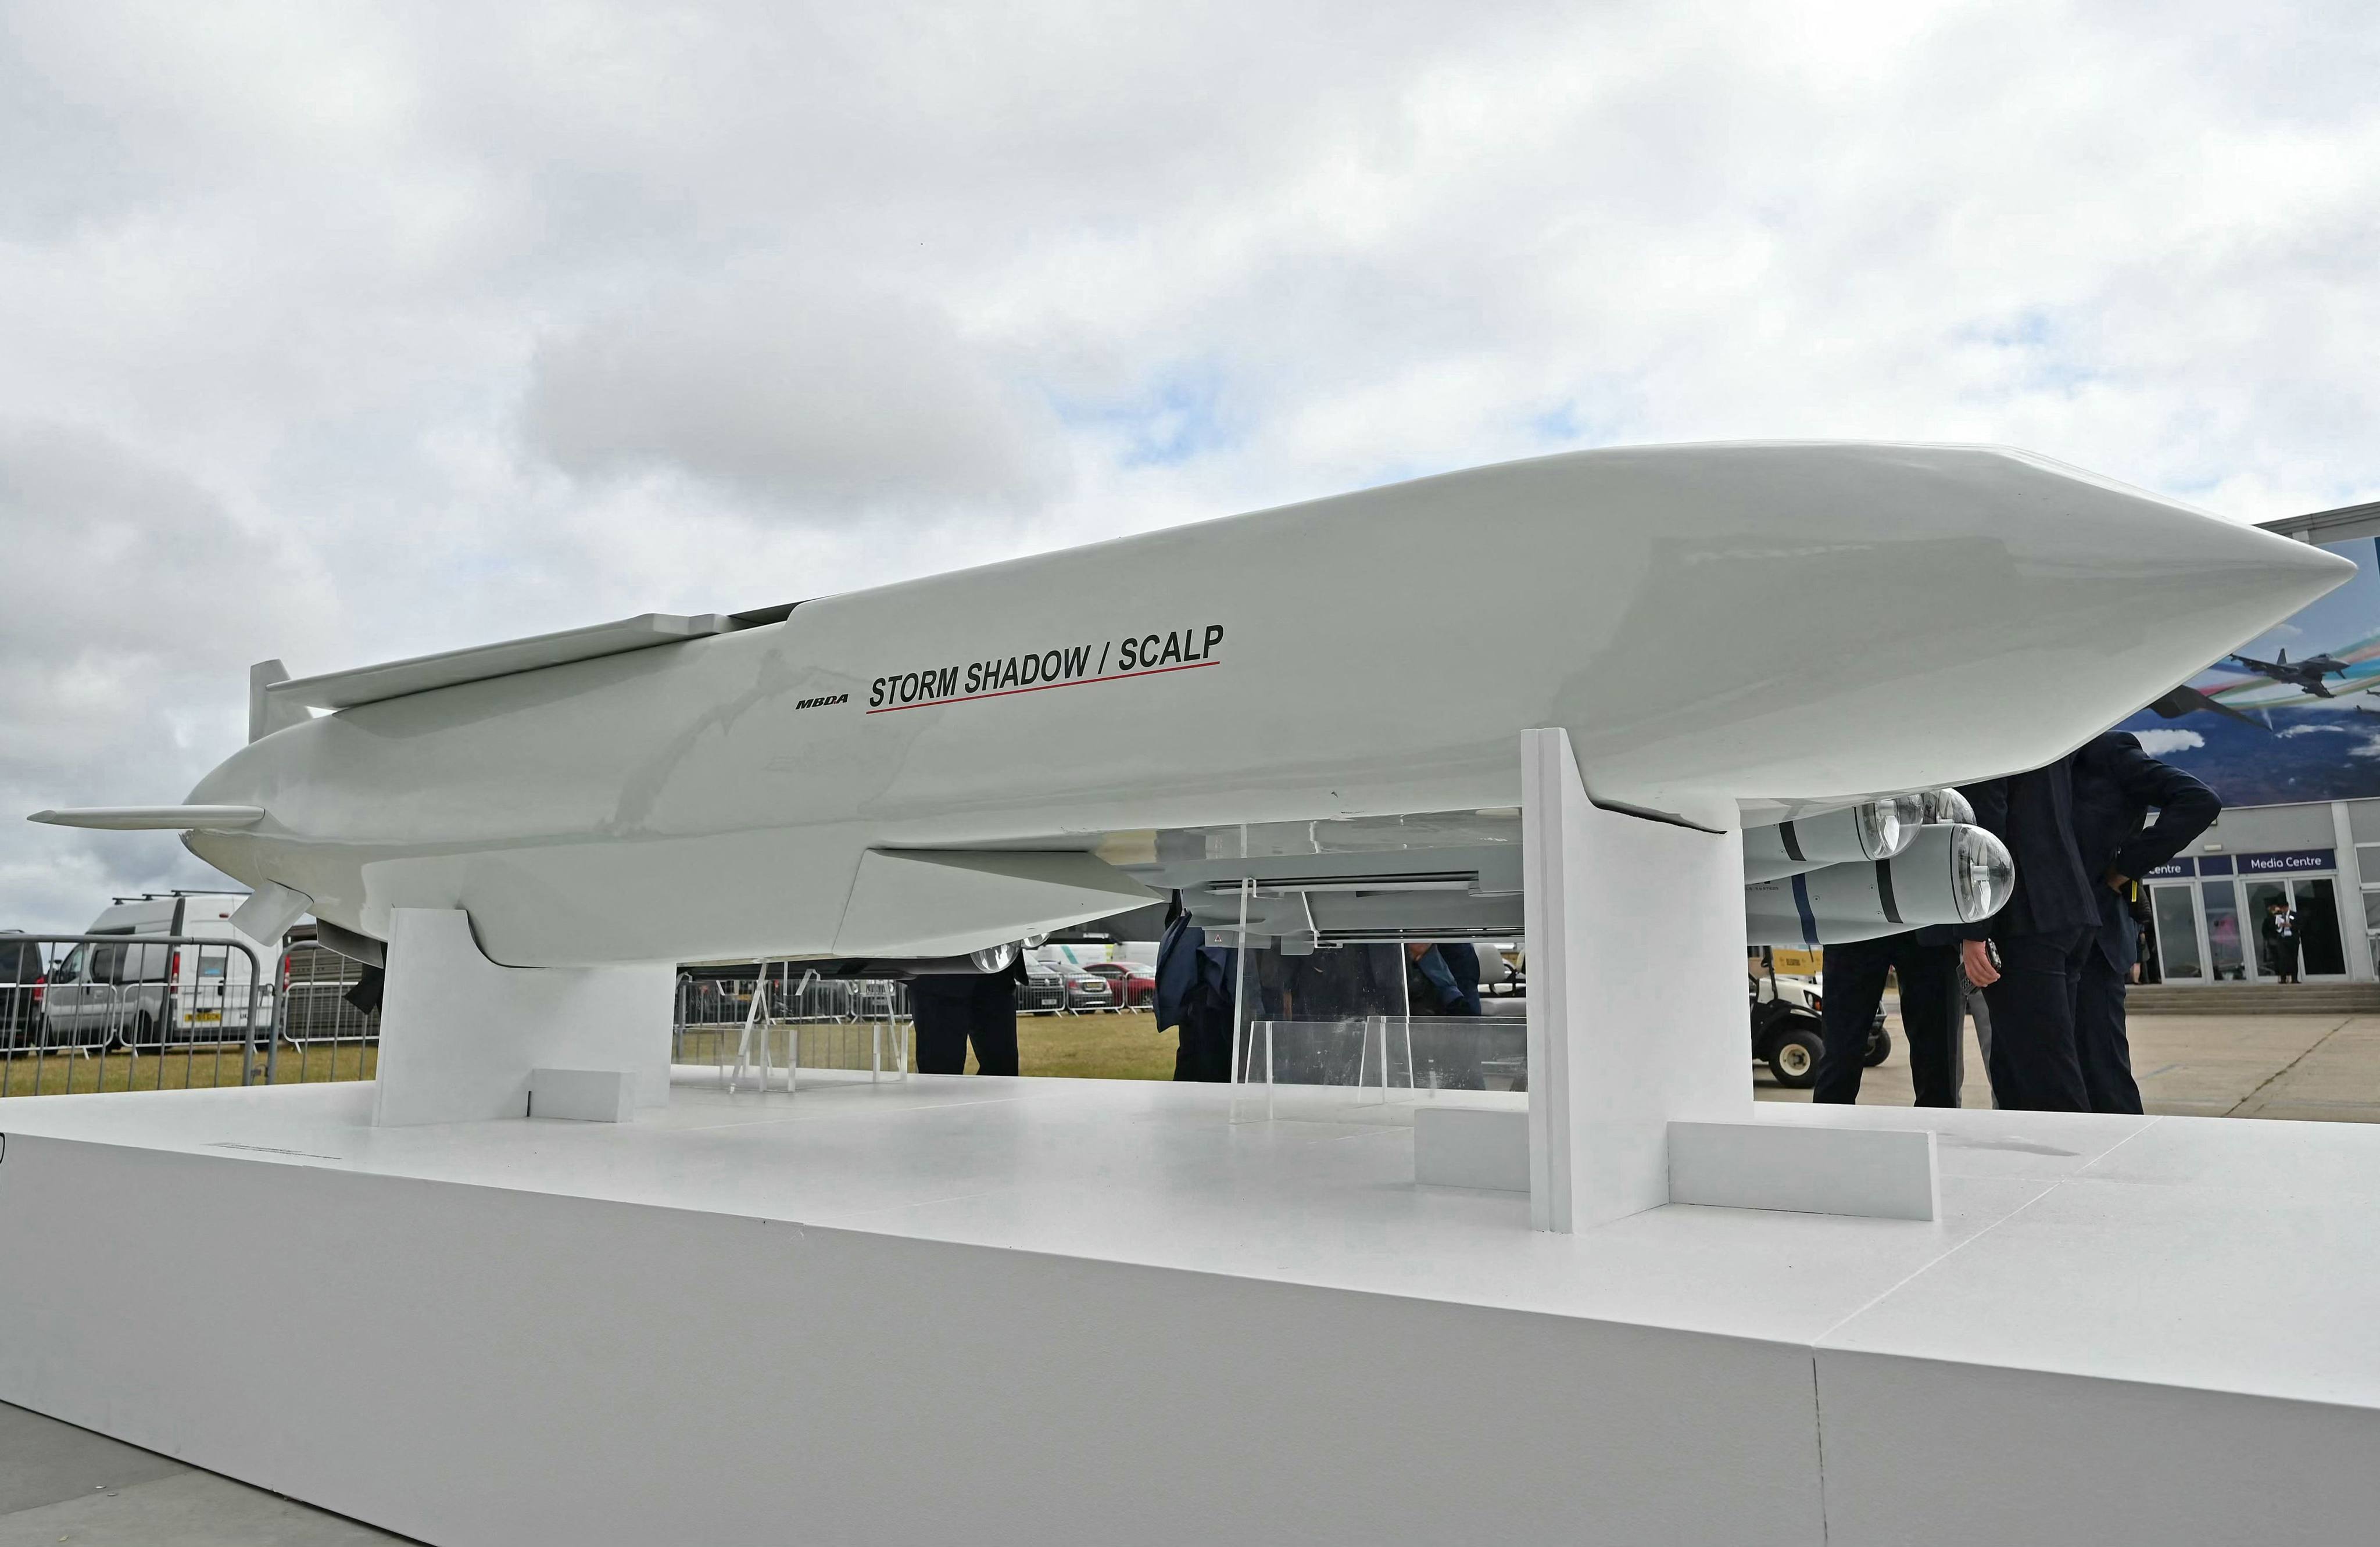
x=2180 y=956
x=2226 y=961
x=2262 y=895
x=2318 y=938
x=2314 y=900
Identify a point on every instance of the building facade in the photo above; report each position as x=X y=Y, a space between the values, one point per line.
x=2207 y=905
x=2252 y=729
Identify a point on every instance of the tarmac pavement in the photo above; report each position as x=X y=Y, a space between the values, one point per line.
x=59 y=1483
x=2311 y=1067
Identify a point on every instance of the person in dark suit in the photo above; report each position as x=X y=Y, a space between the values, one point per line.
x=2028 y=957
x=2116 y=786
x=1462 y=964
x=1436 y=985
x=1197 y=993
x=2280 y=932
x=1927 y=961
x=954 y=1008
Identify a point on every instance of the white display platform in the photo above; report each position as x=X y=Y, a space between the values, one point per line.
x=1053 y=1312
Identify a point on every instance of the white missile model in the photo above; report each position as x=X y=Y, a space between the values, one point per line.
x=1308 y=703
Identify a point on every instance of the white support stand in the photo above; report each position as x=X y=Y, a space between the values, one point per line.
x=461 y=1037
x=1636 y=1016
x=1637 y=1023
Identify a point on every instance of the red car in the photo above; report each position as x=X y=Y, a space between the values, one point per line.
x=1134 y=984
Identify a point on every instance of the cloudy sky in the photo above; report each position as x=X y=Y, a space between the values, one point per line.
x=340 y=332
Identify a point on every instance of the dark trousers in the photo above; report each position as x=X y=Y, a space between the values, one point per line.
x=2100 y=1046
x=952 y=1010
x=1929 y=1016
x=2034 y=1066
x=1205 y=1051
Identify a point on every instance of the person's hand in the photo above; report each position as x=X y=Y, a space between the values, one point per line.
x=2116 y=880
x=1976 y=957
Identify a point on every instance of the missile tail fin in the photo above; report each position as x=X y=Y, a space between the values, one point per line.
x=153 y=818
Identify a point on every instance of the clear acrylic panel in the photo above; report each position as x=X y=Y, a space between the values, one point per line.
x=1393 y=1054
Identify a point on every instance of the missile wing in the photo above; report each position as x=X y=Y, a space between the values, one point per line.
x=1727 y=633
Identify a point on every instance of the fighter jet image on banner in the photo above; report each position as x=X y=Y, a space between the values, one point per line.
x=2309 y=674
x=1730 y=634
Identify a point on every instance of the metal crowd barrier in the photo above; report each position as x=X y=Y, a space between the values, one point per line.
x=119 y=1011
x=787 y=1019
x=326 y=1037
x=82 y=1013
x=705 y=1003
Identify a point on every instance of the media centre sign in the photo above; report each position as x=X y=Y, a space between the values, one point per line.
x=2276 y=862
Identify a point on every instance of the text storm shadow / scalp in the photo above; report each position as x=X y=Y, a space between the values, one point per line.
x=1065 y=666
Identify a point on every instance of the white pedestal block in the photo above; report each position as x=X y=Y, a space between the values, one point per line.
x=1012 y=1311
x=1877 y=1173
x=1880 y=1173
x=586 y=1095
x=1470 y=1146
x=460 y=1035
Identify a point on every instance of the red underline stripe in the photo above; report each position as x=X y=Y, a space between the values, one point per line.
x=1044 y=687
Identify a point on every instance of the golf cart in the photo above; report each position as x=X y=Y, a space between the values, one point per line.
x=1786 y=1025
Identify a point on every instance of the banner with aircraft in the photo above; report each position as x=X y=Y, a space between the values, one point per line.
x=2295 y=715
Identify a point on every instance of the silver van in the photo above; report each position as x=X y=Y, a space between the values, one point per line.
x=142 y=994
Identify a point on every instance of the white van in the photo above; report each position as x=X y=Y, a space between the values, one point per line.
x=137 y=994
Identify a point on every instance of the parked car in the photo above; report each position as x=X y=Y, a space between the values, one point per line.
x=22 y=981
x=142 y=994
x=1087 y=990
x=1050 y=989
x=1129 y=983
x=1043 y=991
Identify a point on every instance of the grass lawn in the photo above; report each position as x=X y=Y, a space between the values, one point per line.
x=1115 y=1046
x=181 y=1069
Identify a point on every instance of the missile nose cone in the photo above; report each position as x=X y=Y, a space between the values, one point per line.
x=2175 y=586
x=1892 y=617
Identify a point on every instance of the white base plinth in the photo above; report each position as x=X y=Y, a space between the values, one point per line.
x=1013 y=1312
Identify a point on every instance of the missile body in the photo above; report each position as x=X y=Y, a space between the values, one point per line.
x=1727 y=633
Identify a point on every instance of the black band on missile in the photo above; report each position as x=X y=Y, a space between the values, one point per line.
x=1884 y=891
x=1801 y=906
x=1792 y=844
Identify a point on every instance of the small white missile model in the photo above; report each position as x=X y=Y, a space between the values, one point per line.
x=1306 y=704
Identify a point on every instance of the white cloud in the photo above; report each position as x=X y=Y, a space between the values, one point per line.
x=133 y=600
x=794 y=392
x=2165 y=743
x=459 y=323
x=2313 y=730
